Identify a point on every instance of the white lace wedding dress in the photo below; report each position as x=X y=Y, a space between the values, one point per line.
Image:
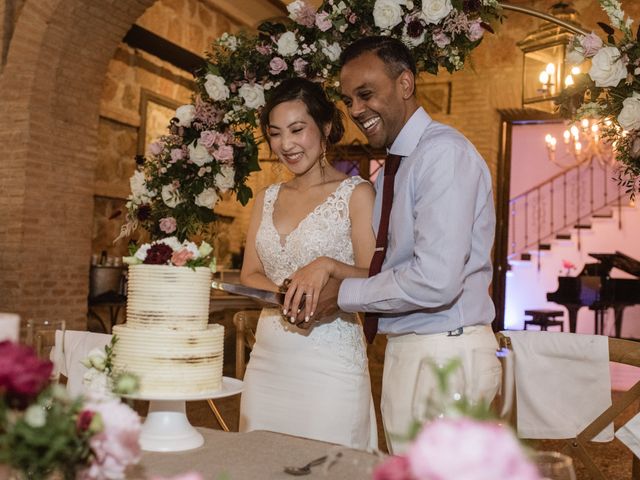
x=315 y=383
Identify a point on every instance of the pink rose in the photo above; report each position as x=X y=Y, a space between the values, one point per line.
x=300 y=66
x=302 y=13
x=441 y=39
x=224 y=153
x=184 y=476
x=168 y=224
x=394 y=468
x=352 y=18
x=475 y=31
x=469 y=449
x=323 y=22
x=181 y=257
x=176 y=154
x=208 y=138
x=264 y=49
x=155 y=148
x=591 y=44
x=277 y=65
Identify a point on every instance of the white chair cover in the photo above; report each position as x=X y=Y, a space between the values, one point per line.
x=68 y=355
x=563 y=383
x=9 y=327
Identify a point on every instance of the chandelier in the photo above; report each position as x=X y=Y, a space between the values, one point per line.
x=581 y=143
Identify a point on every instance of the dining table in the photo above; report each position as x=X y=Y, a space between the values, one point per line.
x=257 y=455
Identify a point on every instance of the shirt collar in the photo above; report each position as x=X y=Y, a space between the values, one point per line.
x=408 y=138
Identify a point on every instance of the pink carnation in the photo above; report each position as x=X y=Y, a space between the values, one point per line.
x=299 y=66
x=168 y=224
x=181 y=257
x=155 y=148
x=277 y=65
x=323 y=22
x=224 y=154
x=117 y=445
x=470 y=449
x=591 y=44
x=394 y=468
x=475 y=31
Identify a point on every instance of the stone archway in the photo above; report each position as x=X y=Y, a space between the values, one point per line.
x=50 y=91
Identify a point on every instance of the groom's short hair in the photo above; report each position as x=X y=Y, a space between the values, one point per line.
x=395 y=54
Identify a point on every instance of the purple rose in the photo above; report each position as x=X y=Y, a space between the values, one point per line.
x=323 y=22
x=475 y=31
x=168 y=224
x=208 y=138
x=176 y=154
x=224 y=154
x=591 y=44
x=300 y=66
x=156 y=148
x=22 y=374
x=441 y=39
x=277 y=65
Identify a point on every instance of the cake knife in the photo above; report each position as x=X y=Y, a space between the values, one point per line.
x=265 y=296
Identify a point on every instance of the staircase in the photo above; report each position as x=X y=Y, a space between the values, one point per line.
x=564 y=205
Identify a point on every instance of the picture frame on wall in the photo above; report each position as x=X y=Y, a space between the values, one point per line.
x=156 y=111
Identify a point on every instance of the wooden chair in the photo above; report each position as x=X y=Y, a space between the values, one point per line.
x=246 y=322
x=620 y=351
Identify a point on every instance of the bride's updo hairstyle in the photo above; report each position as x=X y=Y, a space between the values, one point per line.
x=322 y=110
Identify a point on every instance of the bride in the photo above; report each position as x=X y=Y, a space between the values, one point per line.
x=308 y=382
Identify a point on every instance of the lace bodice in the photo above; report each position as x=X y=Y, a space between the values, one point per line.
x=325 y=231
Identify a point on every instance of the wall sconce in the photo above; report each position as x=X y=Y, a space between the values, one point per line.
x=545 y=71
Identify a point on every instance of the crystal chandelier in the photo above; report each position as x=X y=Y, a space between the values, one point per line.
x=582 y=143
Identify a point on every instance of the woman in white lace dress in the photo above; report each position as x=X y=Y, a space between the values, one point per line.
x=312 y=229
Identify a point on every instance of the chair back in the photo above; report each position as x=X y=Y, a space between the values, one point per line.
x=245 y=322
x=9 y=327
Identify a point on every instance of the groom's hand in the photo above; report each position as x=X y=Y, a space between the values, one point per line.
x=327 y=305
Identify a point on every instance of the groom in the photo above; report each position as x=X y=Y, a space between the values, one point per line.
x=431 y=296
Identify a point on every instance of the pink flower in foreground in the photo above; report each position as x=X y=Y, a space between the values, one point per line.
x=394 y=468
x=115 y=447
x=155 y=148
x=277 y=65
x=475 y=31
x=22 y=374
x=461 y=448
x=184 y=476
x=208 y=138
x=176 y=154
x=168 y=224
x=591 y=44
x=441 y=40
x=181 y=257
x=224 y=153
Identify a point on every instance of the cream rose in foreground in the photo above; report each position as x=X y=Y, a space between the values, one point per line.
x=208 y=198
x=96 y=358
x=185 y=115
x=287 y=44
x=253 y=95
x=387 y=13
x=607 y=68
x=216 y=88
x=225 y=180
x=435 y=10
x=199 y=154
x=629 y=117
x=171 y=196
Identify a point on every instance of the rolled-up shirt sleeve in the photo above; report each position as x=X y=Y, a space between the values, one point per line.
x=445 y=190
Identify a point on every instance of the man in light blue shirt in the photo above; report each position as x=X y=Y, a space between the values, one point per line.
x=432 y=292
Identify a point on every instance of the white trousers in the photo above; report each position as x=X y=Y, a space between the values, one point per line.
x=402 y=359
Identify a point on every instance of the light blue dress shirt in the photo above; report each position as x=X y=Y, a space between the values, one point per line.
x=437 y=271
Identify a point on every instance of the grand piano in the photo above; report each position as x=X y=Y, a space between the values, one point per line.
x=594 y=288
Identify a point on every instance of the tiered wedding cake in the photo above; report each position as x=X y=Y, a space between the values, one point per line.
x=167 y=340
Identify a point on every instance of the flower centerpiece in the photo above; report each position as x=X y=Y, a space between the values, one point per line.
x=610 y=91
x=45 y=432
x=210 y=148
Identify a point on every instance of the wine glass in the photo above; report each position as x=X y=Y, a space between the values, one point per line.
x=554 y=466
x=439 y=388
x=492 y=382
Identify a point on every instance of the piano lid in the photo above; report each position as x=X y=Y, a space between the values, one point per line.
x=619 y=260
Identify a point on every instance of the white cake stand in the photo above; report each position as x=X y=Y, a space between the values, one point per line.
x=167 y=428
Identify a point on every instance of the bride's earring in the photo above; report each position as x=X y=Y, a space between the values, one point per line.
x=323 y=159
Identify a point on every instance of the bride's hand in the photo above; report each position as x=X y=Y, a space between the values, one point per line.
x=307 y=283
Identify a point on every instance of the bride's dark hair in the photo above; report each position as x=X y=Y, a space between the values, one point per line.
x=322 y=110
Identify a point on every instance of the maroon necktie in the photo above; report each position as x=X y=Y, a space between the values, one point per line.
x=391 y=165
